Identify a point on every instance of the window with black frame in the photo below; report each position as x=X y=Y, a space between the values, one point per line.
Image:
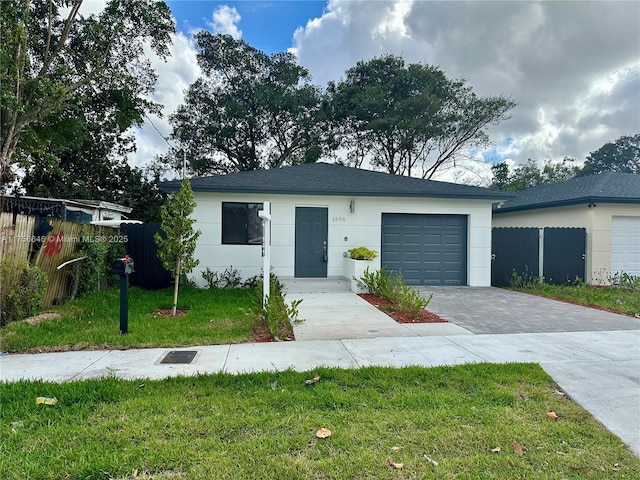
x=241 y=224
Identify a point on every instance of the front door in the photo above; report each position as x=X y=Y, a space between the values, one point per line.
x=311 y=242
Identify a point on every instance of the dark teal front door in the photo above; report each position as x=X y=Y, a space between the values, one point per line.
x=311 y=242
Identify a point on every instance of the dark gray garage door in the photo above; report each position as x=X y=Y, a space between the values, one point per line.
x=426 y=249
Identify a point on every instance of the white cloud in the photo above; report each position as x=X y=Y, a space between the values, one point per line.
x=174 y=77
x=225 y=20
x=572 y=67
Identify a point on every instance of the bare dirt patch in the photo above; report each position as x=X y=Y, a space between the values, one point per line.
x=166 y=312
x=390 y=309
x=42 y=317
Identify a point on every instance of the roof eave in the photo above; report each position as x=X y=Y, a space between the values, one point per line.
x=564 y=203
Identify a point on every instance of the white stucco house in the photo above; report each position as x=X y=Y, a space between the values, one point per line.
x=607 y=205
x=434 y=233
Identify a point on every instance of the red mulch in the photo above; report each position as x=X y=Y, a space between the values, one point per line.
x=387 y=307
x=261 y=333
x=166 y=312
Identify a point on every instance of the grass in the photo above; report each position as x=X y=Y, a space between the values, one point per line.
x=214 y=317
x=263 y=426
x=615 y=299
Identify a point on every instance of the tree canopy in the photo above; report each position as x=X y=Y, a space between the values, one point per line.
x=66 y=80
x=410 y=119
x=623 y=155
x=530 y=174
x=249 y=111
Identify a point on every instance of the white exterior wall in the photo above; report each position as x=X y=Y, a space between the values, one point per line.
x=346 y=230
x=596 y=220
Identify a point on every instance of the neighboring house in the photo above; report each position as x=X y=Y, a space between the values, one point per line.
x=80 y=211
x=435 y=233
x=606 y=205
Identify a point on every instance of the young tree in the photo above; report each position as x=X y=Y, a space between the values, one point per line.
x=249 y=111
x=53 y=59
x=412 y=119
x=176 y=250
x=623 y=155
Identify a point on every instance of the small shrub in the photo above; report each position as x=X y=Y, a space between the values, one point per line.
x=362 y=253
x=625 y=281
x=21 y=290
x=230 y=278
x=524 y=280
x=393 y=288
x=278 y=315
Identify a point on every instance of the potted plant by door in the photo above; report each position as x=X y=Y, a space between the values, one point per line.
x=357 y=260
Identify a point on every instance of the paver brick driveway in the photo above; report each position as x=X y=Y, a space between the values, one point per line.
x=494 y=310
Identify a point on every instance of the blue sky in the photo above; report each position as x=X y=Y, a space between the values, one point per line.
x=268 y=26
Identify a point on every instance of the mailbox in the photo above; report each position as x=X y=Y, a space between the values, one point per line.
x=123 y=266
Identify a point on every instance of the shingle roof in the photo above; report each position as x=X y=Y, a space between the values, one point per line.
x=333 y=179
x=613 y=187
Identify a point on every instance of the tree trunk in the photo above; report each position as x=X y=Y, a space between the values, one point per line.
x=175 y=288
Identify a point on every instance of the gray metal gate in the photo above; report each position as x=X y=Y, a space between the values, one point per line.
x=560 y=252
x=513 y=249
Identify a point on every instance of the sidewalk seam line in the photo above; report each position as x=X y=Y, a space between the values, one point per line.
x=349 y=353
x=91 y=364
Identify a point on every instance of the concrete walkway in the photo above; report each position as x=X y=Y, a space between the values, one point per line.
x=598 y=369
x=332 y=312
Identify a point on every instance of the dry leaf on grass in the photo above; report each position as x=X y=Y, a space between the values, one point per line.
x=397 y=466
x=518 y=448
x=323 y=433
x=313 y=380
x=496 y=450
x=560 y=392
x=591 y=474
x=560 y=452
x=552 y=415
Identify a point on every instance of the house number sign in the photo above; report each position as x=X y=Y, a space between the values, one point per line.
x=338 y=219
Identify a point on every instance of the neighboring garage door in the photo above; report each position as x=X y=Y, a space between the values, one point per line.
x=625 y=245
x=426 y=249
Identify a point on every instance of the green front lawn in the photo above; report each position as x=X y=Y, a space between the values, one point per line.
x=471 y=422
x=615 y=299
x=214 y=317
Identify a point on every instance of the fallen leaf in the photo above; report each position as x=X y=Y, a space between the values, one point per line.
x=135 y=473
x=313 y=380
x=578 y=469
x=395 y=449
x=141 y=385
x=496 y=450
x=552 y=415
x=560 y=452
x=323 y=433
x=518 y=448
x=591 y=474
x=561 y=393
x=397 y=466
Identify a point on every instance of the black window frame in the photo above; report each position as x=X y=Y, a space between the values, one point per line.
x=241 y=224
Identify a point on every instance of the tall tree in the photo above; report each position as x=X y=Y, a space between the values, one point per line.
x=623 y=155
x=52 y=59
x=249 y=111
x=176 y=248
x=530 y=174
x=410 y=119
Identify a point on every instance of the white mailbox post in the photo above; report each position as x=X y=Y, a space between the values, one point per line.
x=265 y=215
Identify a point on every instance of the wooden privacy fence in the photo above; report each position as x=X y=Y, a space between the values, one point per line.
x=18 y=242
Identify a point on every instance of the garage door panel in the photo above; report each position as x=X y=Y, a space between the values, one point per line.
x=431 y=251
x=625 y=245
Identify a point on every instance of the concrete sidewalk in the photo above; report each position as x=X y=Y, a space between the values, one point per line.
x=599 y=370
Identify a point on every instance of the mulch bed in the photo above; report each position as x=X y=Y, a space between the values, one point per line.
x=388 y=307
x=261 y=333
x=166 y=312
